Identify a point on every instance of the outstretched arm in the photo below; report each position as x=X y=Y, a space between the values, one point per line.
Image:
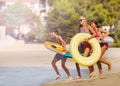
x=104 y=33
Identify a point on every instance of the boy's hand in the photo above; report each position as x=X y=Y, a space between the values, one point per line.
x=64 y=46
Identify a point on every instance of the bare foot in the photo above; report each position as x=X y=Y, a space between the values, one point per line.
x=92 y=75
x=100 y=72
x=77 y=77
x=57 y=77
x=69 y=78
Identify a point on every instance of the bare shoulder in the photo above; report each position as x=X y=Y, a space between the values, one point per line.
x=89 y=27
x=59 y=37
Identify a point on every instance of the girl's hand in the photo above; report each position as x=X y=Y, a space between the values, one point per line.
x=101 y=37
x=86 y=40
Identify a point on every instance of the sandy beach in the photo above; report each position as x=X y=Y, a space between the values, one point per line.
x=35 y=56
x=108 y=80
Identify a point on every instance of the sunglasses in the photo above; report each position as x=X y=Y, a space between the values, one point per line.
x=80 y=20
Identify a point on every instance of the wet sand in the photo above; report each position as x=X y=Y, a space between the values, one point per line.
x=107 y=80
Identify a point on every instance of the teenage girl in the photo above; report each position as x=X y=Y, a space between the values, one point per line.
x=101 y=34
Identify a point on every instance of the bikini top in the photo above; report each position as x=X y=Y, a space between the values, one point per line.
x=83 y=30
x=97 y=34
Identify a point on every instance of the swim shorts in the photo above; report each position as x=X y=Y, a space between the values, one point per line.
x=60 y=57
x=106 y=44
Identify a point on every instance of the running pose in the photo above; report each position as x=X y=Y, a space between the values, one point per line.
x=85 y=28
x=57 y=38
x=101 y=34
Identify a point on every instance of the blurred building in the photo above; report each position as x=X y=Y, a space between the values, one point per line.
x=38 y=7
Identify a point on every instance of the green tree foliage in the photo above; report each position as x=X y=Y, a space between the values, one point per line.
x=18 y=14
x=106 y=12
x=63 y=17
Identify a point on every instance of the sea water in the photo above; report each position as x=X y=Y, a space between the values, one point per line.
x=30 y=76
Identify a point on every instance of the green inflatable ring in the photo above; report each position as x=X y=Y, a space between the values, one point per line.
x=94 y=56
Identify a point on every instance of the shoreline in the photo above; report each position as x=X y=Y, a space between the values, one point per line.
x=36 y=56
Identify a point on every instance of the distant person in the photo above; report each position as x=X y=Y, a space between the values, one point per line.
x=57 y=38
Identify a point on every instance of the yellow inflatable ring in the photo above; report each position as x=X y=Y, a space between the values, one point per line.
x=94 y=56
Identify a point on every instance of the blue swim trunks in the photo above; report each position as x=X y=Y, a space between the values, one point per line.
x=60 y=57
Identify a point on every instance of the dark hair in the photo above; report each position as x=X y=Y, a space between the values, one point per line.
x=96 y=23
x=54 y=30
x=80 y=27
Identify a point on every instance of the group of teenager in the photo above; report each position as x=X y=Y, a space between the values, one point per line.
x=96 y=32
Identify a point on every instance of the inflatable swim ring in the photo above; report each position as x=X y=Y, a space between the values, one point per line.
x=55 y=47
x=96 y=50
x=107 y=39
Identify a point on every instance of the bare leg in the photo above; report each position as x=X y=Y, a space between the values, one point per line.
x=55 y=68
x=78 y=71
x=100 y=68
x=92 y=72
x=86 y=51
x=104 y=60
x=91 y=68
x=66 y=70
